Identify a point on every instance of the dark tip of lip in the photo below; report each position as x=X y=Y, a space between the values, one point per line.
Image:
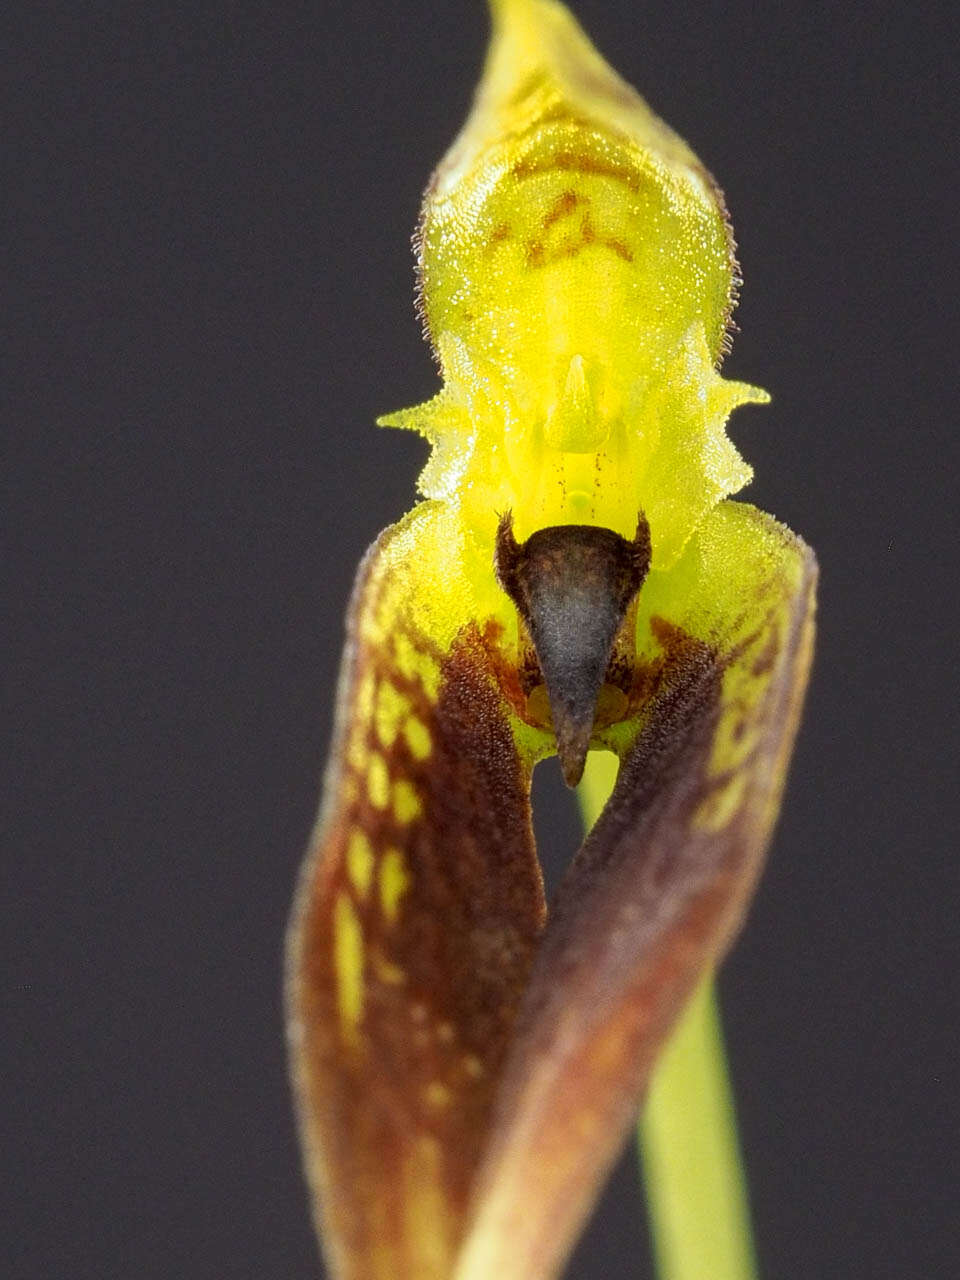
x=572 y=585
x=573 y=756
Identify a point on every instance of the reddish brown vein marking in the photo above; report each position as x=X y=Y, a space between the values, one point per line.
x=617 y=247
x=562 y=207
x=572 y=161
x=538 y=255
x=500 y=234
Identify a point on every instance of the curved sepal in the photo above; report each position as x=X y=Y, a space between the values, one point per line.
x=418 y=911
x=659 y=888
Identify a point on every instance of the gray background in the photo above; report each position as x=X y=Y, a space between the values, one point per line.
x=207 y=301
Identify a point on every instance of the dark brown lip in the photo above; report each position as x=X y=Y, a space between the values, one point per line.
x=572 y=585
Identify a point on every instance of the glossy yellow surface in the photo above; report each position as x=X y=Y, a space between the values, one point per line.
x=577 y=281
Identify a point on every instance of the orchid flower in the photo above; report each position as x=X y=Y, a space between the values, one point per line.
x=576 y=579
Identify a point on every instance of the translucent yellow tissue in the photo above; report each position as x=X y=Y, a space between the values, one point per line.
x=577 y=277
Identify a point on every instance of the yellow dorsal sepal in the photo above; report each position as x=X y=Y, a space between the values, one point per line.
x=577 y=276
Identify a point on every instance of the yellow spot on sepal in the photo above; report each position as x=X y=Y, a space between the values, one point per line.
x=472 y=1066
x=414 y=664
x=378 y=781
x=406 y=803
x=721 y=805
x=392 y=707
x=394 y=882
x=436 y=1094
x=426 y=1211
x=360 y=862
x=348 y=966
x=386 y=970
x=357 y=752
x=366 y=692
x=418 y=738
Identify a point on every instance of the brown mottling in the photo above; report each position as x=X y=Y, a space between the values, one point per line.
x=443 y=980
x=619 y=248
x=501 y=232
x=764 y=662
x=572 y=245
x=562 y=207
x=572 y=160
x=536 y=255
x=648 y=907
x=515 y=674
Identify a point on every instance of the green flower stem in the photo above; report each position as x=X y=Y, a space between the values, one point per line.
x=695 y=1185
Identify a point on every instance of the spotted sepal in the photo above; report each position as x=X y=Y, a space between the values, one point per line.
x=658 y=890
x=413 y=934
